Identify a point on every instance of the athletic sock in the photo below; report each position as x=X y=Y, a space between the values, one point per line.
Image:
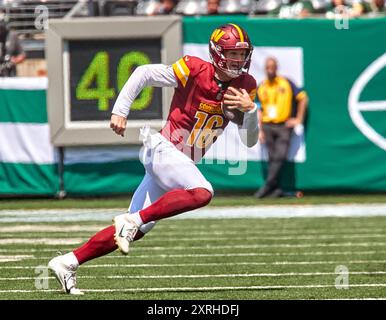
x=136 y=217
x=70 y=260
x=175 y=202
x=100 y=244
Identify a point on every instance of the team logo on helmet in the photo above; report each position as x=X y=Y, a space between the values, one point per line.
x=230 y=37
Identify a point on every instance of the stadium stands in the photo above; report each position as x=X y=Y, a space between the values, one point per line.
x=29 y=17
x=22 y=15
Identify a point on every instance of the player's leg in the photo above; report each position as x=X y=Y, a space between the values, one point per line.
x=128 y=226
x=173 y=171
x=282 y=144
x=270 y=142
x=102 y=243
x=187 y=187
x=277 y=158
x=145 y=195
x=274 y=161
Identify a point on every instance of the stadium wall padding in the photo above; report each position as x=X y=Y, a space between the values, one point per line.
x=342 y=70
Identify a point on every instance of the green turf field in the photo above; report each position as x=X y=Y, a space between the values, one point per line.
x=288 y=258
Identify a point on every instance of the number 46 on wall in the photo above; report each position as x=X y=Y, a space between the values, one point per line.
x=98 y=71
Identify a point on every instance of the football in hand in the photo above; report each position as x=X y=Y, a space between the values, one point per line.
x=233 y=115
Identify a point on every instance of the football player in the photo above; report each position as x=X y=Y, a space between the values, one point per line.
x=173 y=184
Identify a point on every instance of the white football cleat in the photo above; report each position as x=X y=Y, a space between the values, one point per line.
x=65 y=274
x=125 y=231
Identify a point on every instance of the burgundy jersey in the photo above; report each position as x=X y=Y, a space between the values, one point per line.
x=196 y=119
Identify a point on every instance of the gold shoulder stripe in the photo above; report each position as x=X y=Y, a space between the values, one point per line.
x=182 y=71
x=184 y=67
x=179 y=74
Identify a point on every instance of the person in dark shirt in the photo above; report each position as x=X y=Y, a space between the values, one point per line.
x=11 y=51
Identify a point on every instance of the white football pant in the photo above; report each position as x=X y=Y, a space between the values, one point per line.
x=167 y=169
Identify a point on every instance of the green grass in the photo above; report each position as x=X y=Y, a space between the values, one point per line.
x=214 y=259
x=218 y=201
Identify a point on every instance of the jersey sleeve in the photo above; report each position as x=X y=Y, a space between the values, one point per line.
x=298 y=93
x=154 y=75
x=186 y=69
x=258 y=93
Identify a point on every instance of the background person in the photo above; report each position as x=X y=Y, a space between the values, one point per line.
x=278 y=96
x=11 y=51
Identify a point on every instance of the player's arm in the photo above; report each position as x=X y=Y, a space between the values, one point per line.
x=154 y=75
x=18 y=55
x=249 y=130
x=261 y=135
x=301 y=99
x=244 y=101
x=302 y=107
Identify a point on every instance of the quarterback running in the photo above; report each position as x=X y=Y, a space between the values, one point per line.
x=207 y=96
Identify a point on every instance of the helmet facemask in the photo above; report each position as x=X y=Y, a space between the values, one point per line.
x=239 y=66
x=225 y=42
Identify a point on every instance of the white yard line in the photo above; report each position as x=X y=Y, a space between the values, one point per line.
x=52 y=228
x=244 y=238
x=28 y=250
x=28 y=228
x=53 y=212
x=194 y=289
x=248 y=237
x=144 y=265
x=289 y=225
x=73 y=241
x=238 y=254
x=203 y=247
x=45 y=241
x=238 y=263
x=270 y=211
x=30 y=291
x=276 y=232
x=234 y=288
x=203 y=255
x=352 y=299
x=260 y=246
x=256 y=246
x=203 y=276
x=13 y=258
x=214 y=237
x=295 y=211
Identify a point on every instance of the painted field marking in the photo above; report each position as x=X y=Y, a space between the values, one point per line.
x=215 y=237
x=199 y=276
x=13 y=258
x=167 y=265
x=194 y=289
x=232 y=254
